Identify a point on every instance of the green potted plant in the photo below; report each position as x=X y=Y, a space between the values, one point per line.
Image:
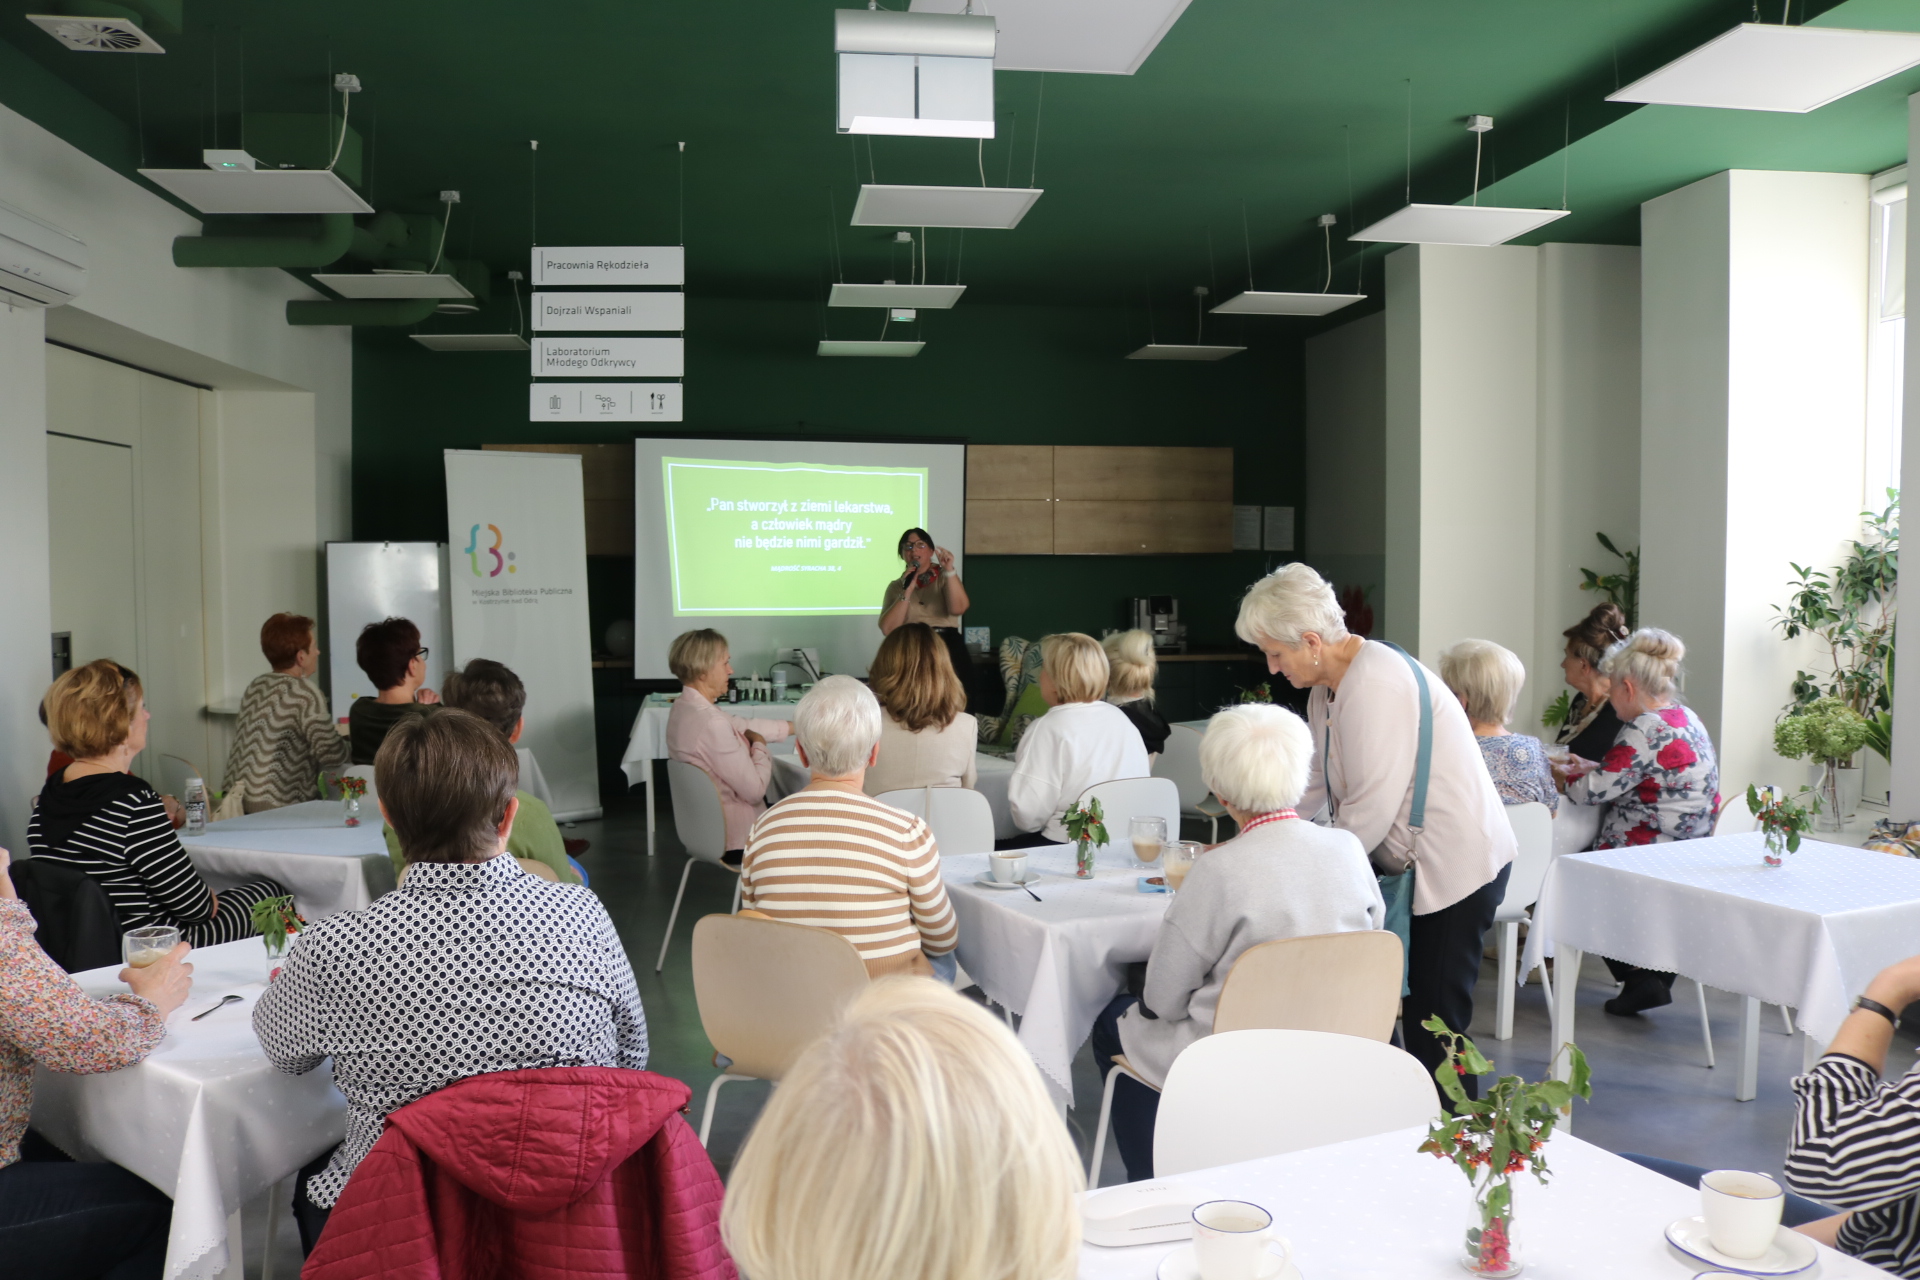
x=1494 y=1138
x=1781 y=818
x=275 y=918
x=1086 y=826
x=1828 y=732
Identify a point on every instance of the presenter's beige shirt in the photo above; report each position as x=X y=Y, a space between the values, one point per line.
x=930 y=758
x=928 y=605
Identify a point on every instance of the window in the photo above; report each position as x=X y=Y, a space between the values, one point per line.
x=1886 y=333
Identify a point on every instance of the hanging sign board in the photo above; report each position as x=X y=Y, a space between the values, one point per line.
x=604 y=265
x=604 y=402
x=580 y=312
x=609 y=357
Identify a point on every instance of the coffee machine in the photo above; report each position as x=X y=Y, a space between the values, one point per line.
x=1159 y=616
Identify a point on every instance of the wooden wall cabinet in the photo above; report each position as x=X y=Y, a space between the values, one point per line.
x=1096 y=500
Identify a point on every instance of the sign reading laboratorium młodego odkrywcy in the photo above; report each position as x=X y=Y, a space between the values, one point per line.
x=597 y=291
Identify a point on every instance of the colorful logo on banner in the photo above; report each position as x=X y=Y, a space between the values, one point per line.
x=500 y=559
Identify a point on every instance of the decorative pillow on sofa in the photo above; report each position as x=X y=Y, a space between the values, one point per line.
x=1020 y=671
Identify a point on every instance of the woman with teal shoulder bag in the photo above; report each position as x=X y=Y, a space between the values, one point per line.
x=1395 y=763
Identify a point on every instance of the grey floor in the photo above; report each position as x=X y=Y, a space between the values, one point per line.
x=1653 y=1092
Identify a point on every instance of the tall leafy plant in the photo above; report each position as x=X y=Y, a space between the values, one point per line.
x=1851 y=609
x=1622 y=586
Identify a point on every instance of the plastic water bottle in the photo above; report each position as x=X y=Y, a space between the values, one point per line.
x=779 y=686
x=196 y=806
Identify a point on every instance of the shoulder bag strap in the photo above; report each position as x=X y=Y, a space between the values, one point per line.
x=1423 y=761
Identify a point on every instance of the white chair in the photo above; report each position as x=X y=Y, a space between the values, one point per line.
x=1241 y=1095
x=1344 y=983
x=701 y=820
x=961 y=820
x=1533 y=829
x=1181 y=762
x=1125 y=799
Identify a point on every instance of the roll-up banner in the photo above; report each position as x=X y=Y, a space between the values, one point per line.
x=517 y=542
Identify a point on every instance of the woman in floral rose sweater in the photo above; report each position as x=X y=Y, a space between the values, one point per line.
x=60 y=1218
x=1660 y=781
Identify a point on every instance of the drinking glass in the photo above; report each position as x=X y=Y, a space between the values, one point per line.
x=1148 y=834
x=1176 y=859
x=148 y=944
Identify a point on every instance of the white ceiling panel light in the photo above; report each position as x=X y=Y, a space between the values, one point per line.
x=981 y=208
x=923 y=75
x=1255 y=302
x=1764 y=67
x=96 y=35
x=393 y=284
x=1483 y=225
x=1183 y=351
x=239 y=189
x=471 y=341
x=1099 y=37
x=928 y=297
x=882 y=350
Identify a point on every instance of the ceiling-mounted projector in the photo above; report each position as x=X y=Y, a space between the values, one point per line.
x=926 y=75
x=234 y=182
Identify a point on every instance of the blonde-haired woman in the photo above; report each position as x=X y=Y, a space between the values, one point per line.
x=926 y=737
x=1081 y=740
x=964 y=1171
x=94 y=815
x=1278 y=878
x=1660 y=781
x=732 y=749
x=1487 y=680
x=1131 y=668
x=1364 y=712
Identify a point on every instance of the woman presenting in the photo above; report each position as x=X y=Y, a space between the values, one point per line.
x=930 y=592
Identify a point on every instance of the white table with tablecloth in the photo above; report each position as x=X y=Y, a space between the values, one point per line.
x=1376 y=1209
x=1808 y=935
x=205 y=1118
x=1058 y=961
x=326 y=865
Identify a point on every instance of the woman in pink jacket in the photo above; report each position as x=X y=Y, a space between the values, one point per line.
x=732 y=749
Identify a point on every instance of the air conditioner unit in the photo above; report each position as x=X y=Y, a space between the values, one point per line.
x=40 y=265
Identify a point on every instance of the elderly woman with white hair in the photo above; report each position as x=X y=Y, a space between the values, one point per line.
x=1365 y=711
x=1081 y=740
x=731 y=749
x=1487 y=680
x=914 y=1142
x=1278 y=878
x=1660 y=781
x=833 y=857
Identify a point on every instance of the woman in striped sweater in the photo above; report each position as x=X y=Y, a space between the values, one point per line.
x=284 y=737
x=98 y=817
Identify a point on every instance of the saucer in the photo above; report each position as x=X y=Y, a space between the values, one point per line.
x=986 y=878
x=1790 y=1253
x=1181 y=1264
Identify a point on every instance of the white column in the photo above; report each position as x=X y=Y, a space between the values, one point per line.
x=1345 y=516
x=1461 y=466
x=1754 y=300
x=26 y=654
x=1906 y=693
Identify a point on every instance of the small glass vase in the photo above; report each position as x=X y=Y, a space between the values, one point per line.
x=1083 y=860
x=1776 y=849
x=1492 y=1242
x=276 y=956
x=350 y=810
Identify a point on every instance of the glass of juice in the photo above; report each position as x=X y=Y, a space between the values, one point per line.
x=148 y=944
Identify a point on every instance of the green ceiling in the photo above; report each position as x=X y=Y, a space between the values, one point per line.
x=1254 y=102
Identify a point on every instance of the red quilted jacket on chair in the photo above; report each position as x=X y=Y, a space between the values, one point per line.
x=575 y=1172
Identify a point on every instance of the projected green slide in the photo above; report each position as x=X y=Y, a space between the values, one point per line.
x=786 y=537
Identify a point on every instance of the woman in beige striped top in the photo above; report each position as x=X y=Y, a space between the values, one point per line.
x=832 y=857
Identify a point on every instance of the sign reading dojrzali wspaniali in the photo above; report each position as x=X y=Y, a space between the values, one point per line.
x=604 y=402
x=603 y=265
x=609 y=357
x=576 y=311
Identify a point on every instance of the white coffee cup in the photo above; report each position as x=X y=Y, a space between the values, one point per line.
x=1230 y=1239
x=1742 y=1211
x=1010 y=868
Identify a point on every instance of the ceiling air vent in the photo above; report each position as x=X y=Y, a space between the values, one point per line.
x=96 y=35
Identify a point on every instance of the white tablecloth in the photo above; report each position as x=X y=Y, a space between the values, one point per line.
x=206 y=1118
x=327 y=866
x=1809 y=935
x=1056 y=962
x=1376 y=1209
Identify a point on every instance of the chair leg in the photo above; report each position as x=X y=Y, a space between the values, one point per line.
x=1706 y=1027
x=713 y=1094
x=1100 y=1133
x=1508 y=944
x=1546 y=985
x=673 y=916
x=1786 y=1016
x=736 y=894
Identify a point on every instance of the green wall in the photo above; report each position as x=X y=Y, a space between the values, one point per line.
x=989 y=375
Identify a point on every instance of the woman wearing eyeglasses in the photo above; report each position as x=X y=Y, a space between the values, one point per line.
x=928 y=591
x=391 y=654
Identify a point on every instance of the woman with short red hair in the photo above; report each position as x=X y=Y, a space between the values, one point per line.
x=284 y=737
